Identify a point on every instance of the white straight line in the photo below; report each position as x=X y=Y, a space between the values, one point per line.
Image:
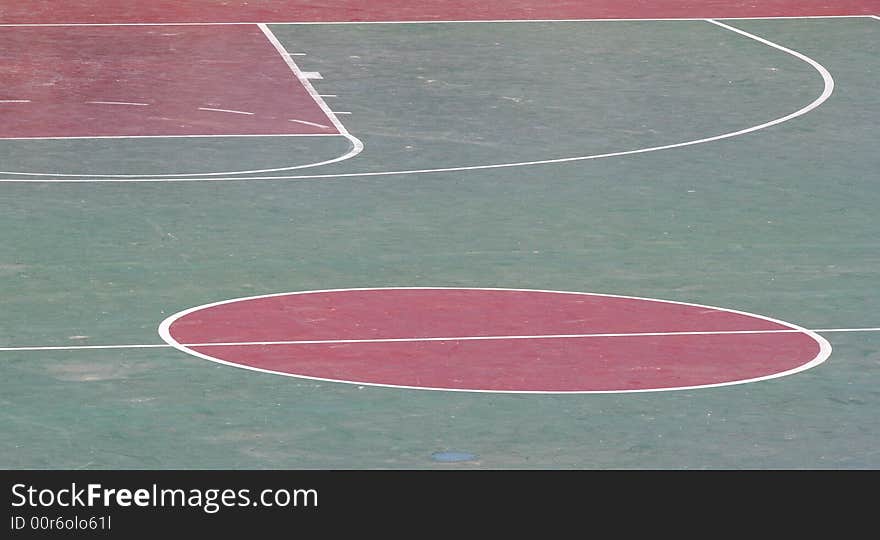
x=297 y=54
x=327 y=95
x=301 y=76
x=357 y=145
x=117 y=103
x=15 y=101
x=429 y=339
x=163 y=137
x=81 y=347
x=224 y=110
x=518 y=21
x=826 y=330
x=462 y=21
x=309 y=123
x=517 y=337
x=54 y=25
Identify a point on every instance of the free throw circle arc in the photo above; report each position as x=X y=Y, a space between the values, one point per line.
x=494 y=340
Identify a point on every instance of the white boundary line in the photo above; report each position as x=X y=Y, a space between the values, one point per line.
x=304 y=79
x=473 y=21
x=164 y=137
x=133 y=103
x=392 y=340
x=356 y=146
x=828 y=88
x=84 y=347
x=231 y=136
x=521 y=21
x=165 y=334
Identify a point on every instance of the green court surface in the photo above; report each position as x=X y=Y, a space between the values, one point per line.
x=611 y=157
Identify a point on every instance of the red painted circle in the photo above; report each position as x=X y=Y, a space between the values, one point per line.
x=499 y=340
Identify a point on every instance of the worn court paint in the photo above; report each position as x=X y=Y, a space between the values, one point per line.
x=161 y=409
x=102 y=11
x=175 y=76
x=494 y=340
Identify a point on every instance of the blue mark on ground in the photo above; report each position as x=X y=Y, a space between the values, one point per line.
x=453 y=457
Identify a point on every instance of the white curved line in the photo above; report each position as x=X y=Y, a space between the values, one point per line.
x=827 y=90
x=356 y=147
x=824 y=353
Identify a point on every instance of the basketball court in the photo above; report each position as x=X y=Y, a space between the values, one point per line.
x=470 y=235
